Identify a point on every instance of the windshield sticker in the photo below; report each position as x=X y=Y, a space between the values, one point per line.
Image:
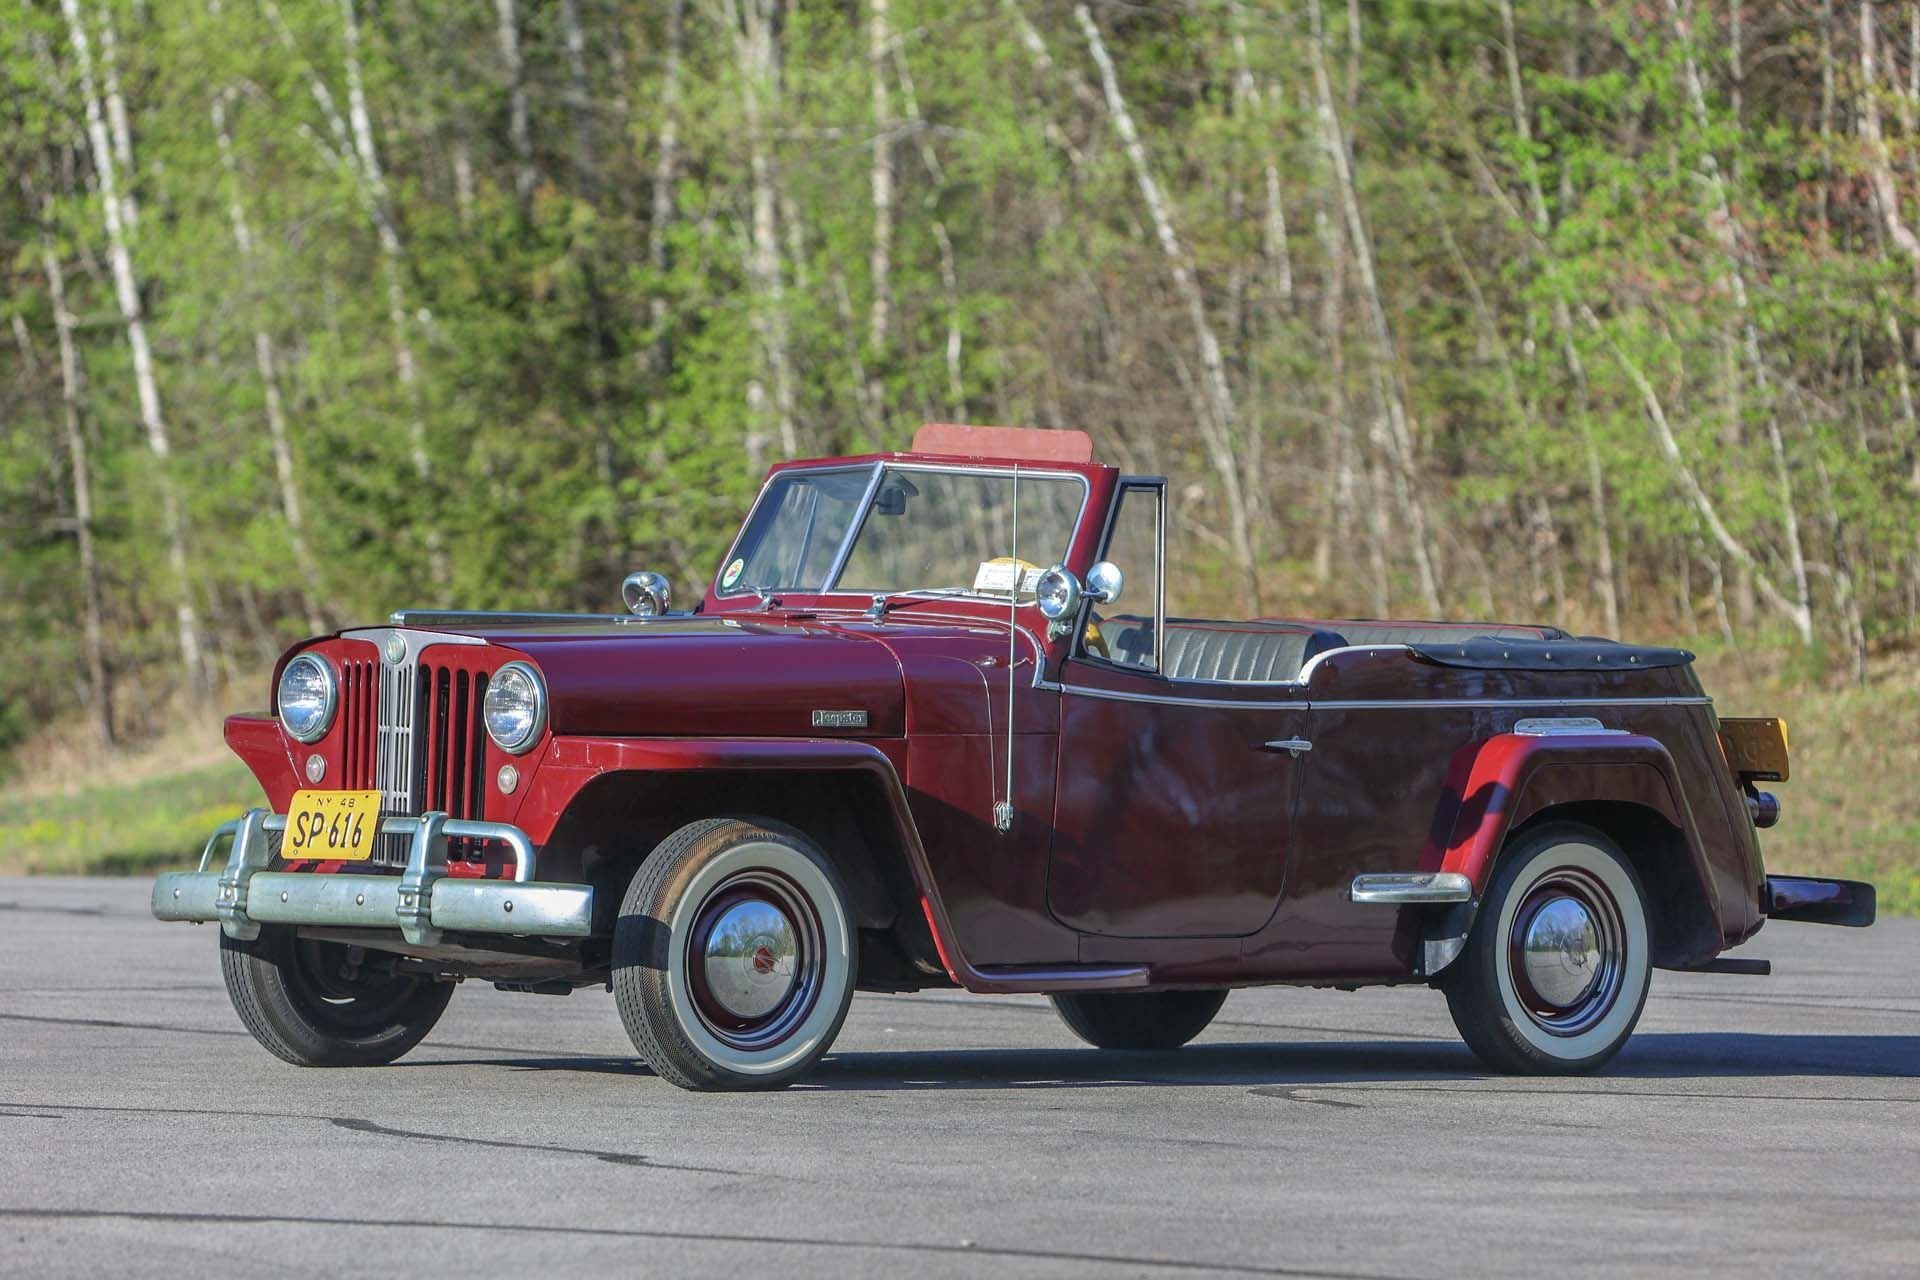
x=998 y=575
x=732 y=575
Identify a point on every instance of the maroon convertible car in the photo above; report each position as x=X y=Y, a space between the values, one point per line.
x=931 y=726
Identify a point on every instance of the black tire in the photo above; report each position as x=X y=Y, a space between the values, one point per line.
x=1567 y=1004
x=315 y=1004
x=1137 y=1019
x=735 y=956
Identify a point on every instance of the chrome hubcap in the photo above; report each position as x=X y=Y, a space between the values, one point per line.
x=752 y=958
x=1562 y=952
x=1566 y=952
x=755 y=959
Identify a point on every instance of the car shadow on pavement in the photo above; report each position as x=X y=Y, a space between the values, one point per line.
x=1664 y=1056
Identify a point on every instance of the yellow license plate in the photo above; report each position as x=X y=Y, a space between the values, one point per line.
x=334 y=826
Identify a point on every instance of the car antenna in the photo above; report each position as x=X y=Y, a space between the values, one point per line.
x=1003 y=809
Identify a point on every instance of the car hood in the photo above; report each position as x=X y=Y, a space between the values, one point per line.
x=711 y=677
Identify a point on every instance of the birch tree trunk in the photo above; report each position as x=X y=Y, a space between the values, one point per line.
x=666 y=172
x=266 y=361
x=1220 y=422
x=878 y=40
x=949 y=269
x=1726 y=229
x=519 y=134
x=100 y=687
x=1606 y=574
x=752 y=24
x=355 y=149
x=126 y=287
x=1391 y=393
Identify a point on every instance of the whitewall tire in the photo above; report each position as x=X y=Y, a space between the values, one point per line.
x=734 y=956
x=1557 y=965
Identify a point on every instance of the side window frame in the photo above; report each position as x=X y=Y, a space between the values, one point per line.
x=1156 y=485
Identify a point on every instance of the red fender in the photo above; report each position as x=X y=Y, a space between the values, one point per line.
x=1495 y=786
x=569 y=763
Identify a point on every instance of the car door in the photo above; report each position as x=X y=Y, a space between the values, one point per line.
x=1174 y=798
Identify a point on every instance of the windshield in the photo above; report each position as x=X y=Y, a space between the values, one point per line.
x=921 y=530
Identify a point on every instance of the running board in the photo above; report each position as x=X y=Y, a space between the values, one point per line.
x=1727 y=964
x=1009 y=978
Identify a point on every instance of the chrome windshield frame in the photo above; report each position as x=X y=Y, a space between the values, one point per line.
x=831 y=584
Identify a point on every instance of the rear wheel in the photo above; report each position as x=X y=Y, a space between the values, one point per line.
x=1138 y=1019
x=326 y=1004
x=734 y=957
x=1557 y=965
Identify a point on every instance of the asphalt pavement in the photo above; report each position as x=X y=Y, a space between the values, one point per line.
x=1757 y=1126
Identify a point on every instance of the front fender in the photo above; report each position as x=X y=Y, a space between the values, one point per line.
x=570 y=763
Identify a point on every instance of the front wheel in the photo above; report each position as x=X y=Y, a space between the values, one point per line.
x=1137 y=1019
x=1557 y=965
x=734 y=957
x=327 y=1004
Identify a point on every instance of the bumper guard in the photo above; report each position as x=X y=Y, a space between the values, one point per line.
x=422 y=901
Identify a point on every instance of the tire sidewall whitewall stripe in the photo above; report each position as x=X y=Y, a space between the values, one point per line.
x=1635 y=962
x=836 y=960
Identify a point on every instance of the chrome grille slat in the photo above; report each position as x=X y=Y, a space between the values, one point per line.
x=395 y=755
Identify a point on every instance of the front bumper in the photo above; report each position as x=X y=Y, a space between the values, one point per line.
x=420 y=903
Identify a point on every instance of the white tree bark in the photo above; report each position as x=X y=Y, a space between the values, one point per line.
x=881 y=258
x=1399 y=418
x=752 y=25
x=356 y=150
x=1725 y=227
x=126 y=287
x=949 y=270
x=666 y=172
x=117 y=117
x=519 y=133
x=580 y=101
x=99 y=685
x=1220 y=423
x=266 y=360
x=1605 y=571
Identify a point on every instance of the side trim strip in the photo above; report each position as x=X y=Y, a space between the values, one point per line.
x=1382 y=704
x=1395 y=704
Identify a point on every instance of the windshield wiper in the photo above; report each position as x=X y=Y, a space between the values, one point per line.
x=884 y=602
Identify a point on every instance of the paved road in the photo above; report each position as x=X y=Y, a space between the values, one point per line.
x=1765 y=1125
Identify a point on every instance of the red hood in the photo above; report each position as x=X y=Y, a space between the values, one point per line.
x=703 y=676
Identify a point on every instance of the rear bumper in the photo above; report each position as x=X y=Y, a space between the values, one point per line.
x=419 y=904
x=1810 y=900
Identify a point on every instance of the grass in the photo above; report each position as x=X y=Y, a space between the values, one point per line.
x=1850 y=809
x=156 y=823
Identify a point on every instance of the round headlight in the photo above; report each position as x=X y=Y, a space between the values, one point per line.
x=516 y=707
x=1057 y=592
x=307 y=697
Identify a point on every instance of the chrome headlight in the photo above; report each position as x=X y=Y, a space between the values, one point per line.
x=307 y=697
x=516 y=707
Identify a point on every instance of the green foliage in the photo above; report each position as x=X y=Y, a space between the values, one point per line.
x=596 y=386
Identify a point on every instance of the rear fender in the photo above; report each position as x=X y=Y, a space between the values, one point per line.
x=1495 y=787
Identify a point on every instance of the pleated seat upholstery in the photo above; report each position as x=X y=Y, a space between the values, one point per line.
x=1264 y=651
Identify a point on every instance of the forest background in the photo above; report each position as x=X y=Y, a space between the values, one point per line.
x=1603 y=314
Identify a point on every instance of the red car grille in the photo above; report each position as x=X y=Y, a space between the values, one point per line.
x=450 y=765
x=360 y=718
x=417 y=735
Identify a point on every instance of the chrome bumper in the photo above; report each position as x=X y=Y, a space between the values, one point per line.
x=421 y=902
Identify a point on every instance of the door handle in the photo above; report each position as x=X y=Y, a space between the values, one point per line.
x=1295 y=747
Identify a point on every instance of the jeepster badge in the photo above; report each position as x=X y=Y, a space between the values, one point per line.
x=839 y=719
x=396 y=649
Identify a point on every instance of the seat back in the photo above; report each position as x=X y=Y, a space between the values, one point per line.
x=1199 y=649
